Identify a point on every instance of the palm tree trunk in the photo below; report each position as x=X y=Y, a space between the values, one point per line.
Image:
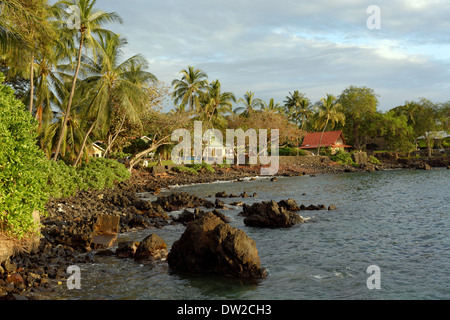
x=321 y=136
x=69 y=105
x=32 y=83
x=110 y=144
x=83 y=144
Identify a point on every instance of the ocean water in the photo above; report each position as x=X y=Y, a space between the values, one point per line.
x=396 y=220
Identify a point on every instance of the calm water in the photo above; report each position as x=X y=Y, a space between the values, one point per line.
x=397 y=220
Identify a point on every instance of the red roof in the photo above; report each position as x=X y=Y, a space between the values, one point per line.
x=329 y=139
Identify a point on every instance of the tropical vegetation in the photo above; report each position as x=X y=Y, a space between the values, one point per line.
x=68 y=85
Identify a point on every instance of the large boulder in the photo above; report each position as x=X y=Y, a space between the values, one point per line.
x=210 y=246
x=270 y=214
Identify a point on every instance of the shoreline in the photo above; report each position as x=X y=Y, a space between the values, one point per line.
x=65 y=231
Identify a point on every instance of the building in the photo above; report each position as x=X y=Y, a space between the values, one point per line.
x=330 y=139
x=95 y=150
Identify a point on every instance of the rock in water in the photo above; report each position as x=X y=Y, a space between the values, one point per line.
x=210 y=246
x=270 y=215
x=151 y=248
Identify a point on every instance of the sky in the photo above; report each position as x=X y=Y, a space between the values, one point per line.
x=401 y=50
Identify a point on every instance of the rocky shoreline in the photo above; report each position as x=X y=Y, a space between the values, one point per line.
x=68 y=229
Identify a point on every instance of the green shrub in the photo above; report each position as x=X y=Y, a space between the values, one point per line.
x=101 y=173
x=20 y=178
x=185 y=169
x=374 y=160
x=200 y=167
x=28 y=179
x=342 y=157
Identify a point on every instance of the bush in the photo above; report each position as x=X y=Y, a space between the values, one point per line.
x=291 y=152
x=342 y=157
x=185 y=169
x=374 y=160
x=20 y=178
x=200 y=167
x=28 y=179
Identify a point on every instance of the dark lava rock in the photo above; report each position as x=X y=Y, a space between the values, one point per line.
x=210 y=246
x=269 y=214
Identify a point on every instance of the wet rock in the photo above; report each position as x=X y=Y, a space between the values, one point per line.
x=222 y=194
x=151 y=248
x=126 y=249
x=289 y=204
x=210 y=246
x=188 y=216
x=269 y=214
x=177 y=201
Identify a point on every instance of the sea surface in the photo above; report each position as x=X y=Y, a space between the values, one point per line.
x=398 y=221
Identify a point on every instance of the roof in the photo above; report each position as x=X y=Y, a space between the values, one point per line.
x=95 y=145
x=329 y=139
x=435 y=135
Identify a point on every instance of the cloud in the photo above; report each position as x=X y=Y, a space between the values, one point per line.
x=317 y=47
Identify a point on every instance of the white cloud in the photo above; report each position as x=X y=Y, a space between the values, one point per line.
x=317 y=47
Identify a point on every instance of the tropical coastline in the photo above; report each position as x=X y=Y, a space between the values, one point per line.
x=66 y=230
x=90 y=143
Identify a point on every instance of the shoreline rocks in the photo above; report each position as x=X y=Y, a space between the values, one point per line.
x=210 y=246
x=270 y=214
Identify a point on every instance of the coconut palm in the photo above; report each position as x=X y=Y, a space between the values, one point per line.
x=89 y=22
x=23 y=32
x=329 y=113
x=114 y=86
x=215 y=104
x=188 y=90
x=272 y=106
x=297 y=107
x=250 y=104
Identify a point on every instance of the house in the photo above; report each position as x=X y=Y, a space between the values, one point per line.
x=330 y=139
x=95 y=150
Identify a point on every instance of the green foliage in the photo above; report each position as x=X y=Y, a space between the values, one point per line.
x=342 y=157
x=63 y=181
x=20 y=178
x=374 y=160
x=102 y=173
x=291 y=152
x=194 y=168
x=28 y=179
x=185 y=169
x=200 y=167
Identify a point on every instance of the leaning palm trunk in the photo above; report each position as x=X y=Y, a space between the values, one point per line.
x=113 y=139
x=86 y=136
x=32 y=83
x=69 y=105
x=321 y=136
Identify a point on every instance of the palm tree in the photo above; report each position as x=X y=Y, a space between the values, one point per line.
x=272 y=106
x=24 y=31
x=216 y=104
x=329 y=112
x=297 y=108
x=250 y=104
x=114 y=85
x=90 y=24
x=188 y=90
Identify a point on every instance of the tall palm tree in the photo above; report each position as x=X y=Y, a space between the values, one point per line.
x=24 y=29
x=329 y=112
x=250 y=104
x=188 y=90
x=272 y=106
x=297 y=107
x=90 y=22
x=114 y=85
x=216 y=104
